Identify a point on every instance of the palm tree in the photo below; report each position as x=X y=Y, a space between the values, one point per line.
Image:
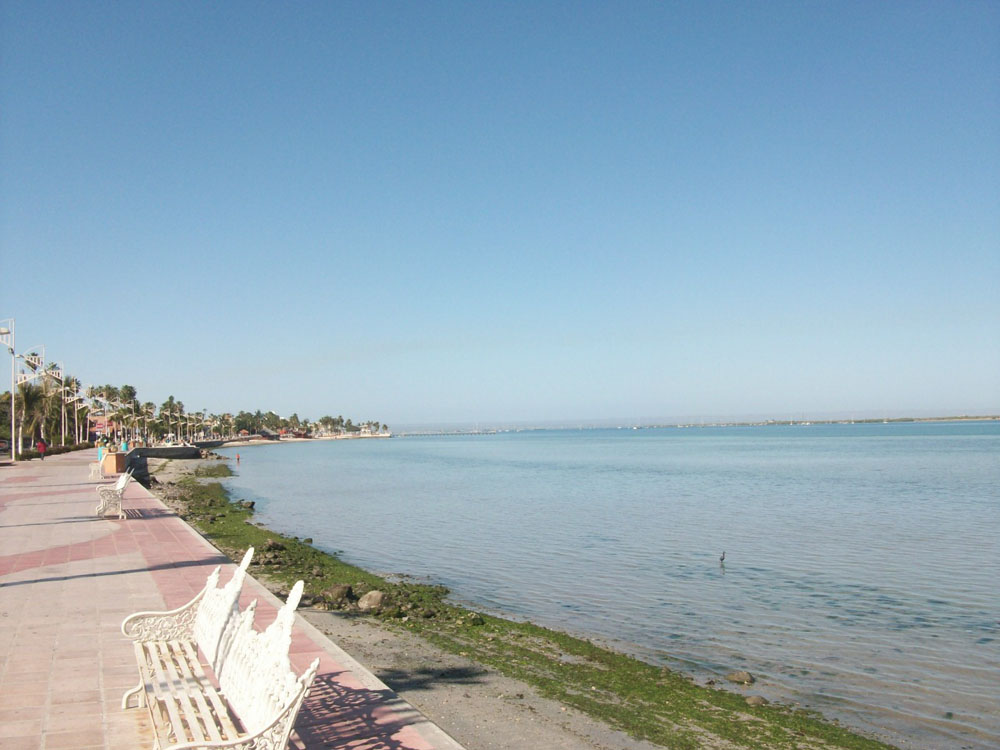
x=92 y=393
x=109 y=395
x=30 y=410
x=127 y=394
x=70 y=397
x=148 y=412
x=51 y=411
x=171 y=411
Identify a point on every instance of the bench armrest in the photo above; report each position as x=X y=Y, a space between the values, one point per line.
x=107 y=493
x=177 y=624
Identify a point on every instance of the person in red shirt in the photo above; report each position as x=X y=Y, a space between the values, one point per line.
x=41 y=446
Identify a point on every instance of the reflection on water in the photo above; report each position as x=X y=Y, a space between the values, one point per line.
x=861 y=566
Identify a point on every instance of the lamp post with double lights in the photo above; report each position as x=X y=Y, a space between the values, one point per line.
x=71 y=401
x=7 y=339
x=67 y=400
x=56 y=371
x=80 y=437
x=36 y=365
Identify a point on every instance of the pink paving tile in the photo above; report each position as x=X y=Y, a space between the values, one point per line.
x=20 y=714
x=84 y=712
x=62 y=723
x=25 y=667
x=19 y=480
x=22 y=728
x=37 y=684
x=21 y=743
x=77 y=740
x=59 y=696
x=24 y=700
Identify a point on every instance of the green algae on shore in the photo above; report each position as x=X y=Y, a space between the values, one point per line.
x=647 y=702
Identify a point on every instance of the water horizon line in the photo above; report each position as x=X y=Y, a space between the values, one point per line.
x=473 y=427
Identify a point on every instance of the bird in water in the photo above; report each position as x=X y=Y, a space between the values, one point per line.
x=723 y=558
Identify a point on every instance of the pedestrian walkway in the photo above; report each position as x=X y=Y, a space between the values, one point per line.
x=68 y=579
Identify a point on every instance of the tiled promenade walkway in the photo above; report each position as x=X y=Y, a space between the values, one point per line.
x=68 y=579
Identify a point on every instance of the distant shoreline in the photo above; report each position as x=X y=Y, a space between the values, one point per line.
x=685 y=425
x=245 y=443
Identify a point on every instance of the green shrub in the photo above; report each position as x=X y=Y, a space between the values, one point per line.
x=53 y=450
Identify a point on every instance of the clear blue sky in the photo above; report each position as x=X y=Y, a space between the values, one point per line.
x=417 y=212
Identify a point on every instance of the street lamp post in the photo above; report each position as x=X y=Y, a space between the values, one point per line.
x=36 y=363
x=79 y=434
x=72 y=400
x=55 y=371
x=7 y=338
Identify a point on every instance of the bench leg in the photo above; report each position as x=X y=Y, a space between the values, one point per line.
x=137 y=690
x=110 y=504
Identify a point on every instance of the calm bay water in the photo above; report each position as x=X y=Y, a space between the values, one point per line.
x=862 y=570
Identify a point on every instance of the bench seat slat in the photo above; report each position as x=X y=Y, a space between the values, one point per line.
x=191 y=708
x=175 y=695
x=193 y=698
x=158 y=688
x=217 y=710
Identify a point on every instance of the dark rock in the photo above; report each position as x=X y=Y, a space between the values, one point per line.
x=307 y=540
x=248 y=504
x=317 y=572
x=742 y=677
x=272 y=545
x=339 y=593
x=756 y=700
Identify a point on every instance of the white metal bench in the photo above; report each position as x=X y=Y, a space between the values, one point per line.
x=207 y=621
x=257 y=698
x=111 y=497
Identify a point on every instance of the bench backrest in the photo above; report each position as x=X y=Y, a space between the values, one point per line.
x=123 y=480
x=215 y=620
x=257 y=677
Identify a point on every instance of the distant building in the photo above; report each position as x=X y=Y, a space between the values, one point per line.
x=98 y=425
